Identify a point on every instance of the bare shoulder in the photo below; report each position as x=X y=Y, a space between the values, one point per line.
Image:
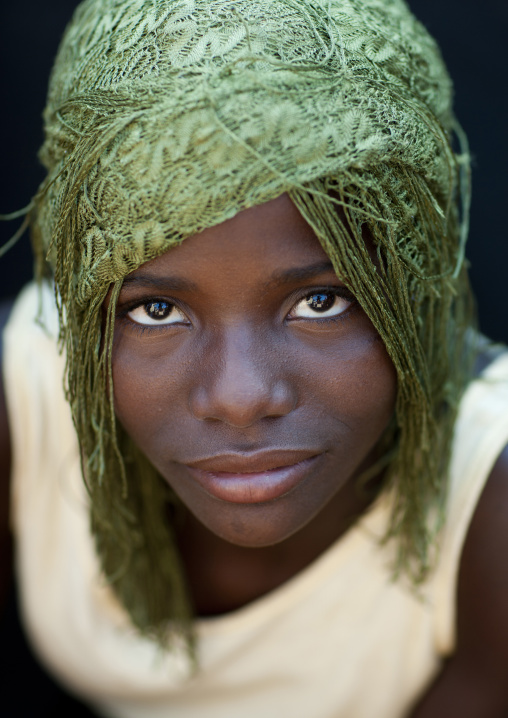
x=483 y=576
x=480 y=665
x=473 y=682
x=484 y=557
x=482 y=596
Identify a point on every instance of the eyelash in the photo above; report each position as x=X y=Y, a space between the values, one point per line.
x=298 y=296
x=122 y=315
x=341 y=292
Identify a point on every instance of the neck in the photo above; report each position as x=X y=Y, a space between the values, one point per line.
x=223 y=577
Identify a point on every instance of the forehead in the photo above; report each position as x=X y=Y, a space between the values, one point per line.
x=257 y=243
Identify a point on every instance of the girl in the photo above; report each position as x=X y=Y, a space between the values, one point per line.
x=254 y=218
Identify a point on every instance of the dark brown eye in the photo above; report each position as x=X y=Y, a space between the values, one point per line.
x=158 y=310
x=321 y=302
x=318 y=305
x=157 y=313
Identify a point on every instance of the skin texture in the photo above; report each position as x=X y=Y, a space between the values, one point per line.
x=242 y=375
x=473 y=682
x=242 y=372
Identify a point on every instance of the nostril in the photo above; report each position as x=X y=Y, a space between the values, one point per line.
x=198 y=403
x=242 y=405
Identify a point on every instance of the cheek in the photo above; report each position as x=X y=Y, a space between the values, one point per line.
x=358 y=404
x=146 y=380
x=346 y=389
x=354 y=380
x=369 y=382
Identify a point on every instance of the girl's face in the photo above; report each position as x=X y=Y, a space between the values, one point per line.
x=250 y=377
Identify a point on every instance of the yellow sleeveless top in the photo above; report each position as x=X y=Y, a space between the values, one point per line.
x=339 y=640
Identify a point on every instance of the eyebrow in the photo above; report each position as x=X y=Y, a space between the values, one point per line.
x=300 y=274
x=162 y=284
x=178 y=284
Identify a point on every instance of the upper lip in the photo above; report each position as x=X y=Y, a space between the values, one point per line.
x=251 y=463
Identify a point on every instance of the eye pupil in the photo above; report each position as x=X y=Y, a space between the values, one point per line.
x=321 y=302
x=158 y=310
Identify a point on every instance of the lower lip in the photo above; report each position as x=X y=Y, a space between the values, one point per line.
x=255 y=488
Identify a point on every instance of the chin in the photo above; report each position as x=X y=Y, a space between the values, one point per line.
x=257 y=526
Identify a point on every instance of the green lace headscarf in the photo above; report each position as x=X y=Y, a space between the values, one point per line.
x=165 y=117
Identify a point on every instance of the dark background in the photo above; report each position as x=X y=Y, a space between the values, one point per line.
x=472 y=34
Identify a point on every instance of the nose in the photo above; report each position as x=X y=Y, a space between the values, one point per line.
x=242 y=381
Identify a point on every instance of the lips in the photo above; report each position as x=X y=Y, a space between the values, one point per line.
x=254 y=478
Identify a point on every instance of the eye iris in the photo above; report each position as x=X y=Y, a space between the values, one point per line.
x=321 y=302
x=158 y=310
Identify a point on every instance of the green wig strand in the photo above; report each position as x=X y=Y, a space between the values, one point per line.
x=165 y=117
